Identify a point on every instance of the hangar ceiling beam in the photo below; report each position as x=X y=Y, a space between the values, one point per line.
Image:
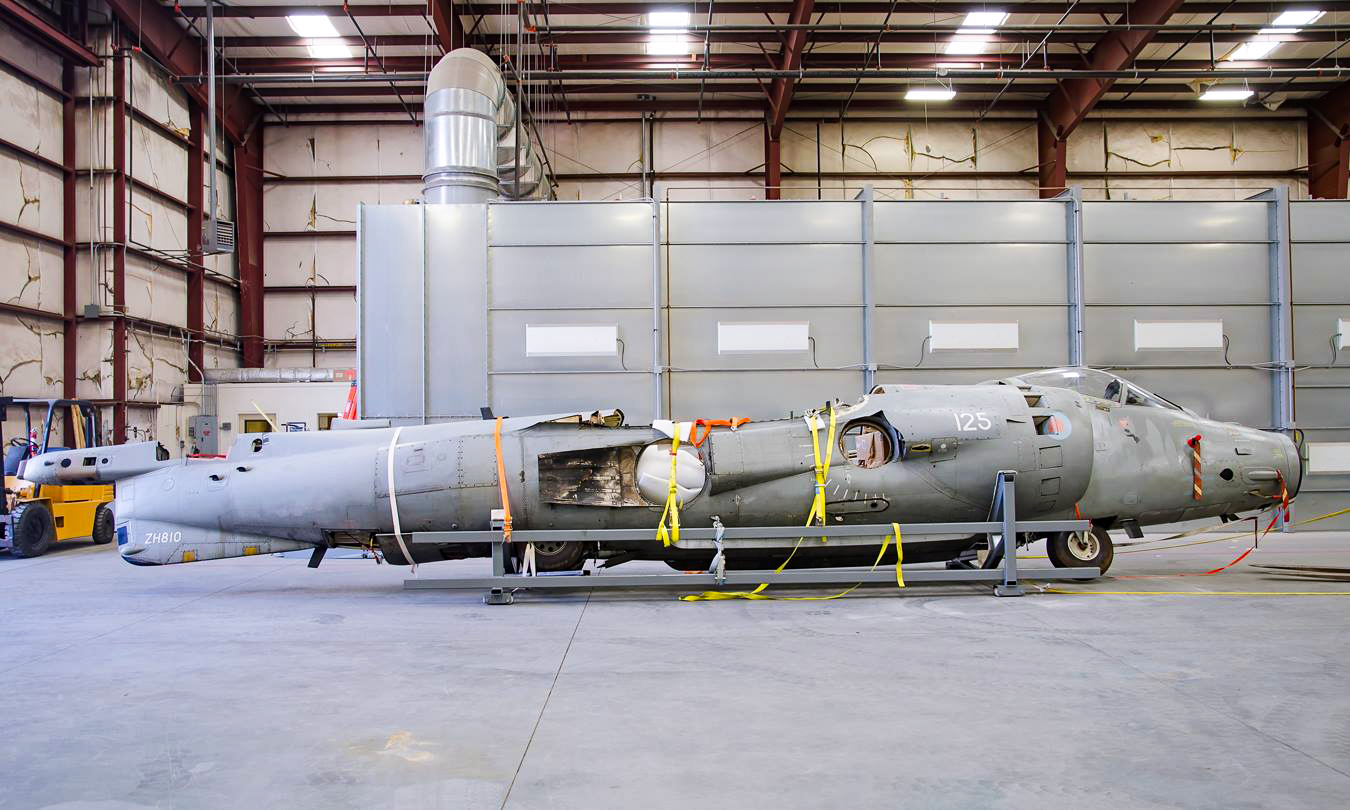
x=1074 y=98
x=780 y=96
x=153 y=28
x=449 y=30
x=1329 y=145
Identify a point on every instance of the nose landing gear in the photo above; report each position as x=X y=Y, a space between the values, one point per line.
x=1081 y=549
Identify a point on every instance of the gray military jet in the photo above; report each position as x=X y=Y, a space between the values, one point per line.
x=1084 y=443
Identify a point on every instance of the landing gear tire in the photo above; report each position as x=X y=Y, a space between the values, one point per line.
x=33 y=528
x=103 y=525
x=559 y=556
x=1092 y=548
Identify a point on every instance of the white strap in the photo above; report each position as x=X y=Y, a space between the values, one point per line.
x=393 y=502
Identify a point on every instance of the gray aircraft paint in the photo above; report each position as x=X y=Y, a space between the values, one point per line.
x=287 y=491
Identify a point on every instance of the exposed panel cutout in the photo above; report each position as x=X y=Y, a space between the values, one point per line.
x=956 y=335
x=1178 y=335
x=763 y=337
x=1329 y=457
x=571 y=340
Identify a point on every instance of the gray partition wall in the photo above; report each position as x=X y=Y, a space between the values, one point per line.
x=1320 y=261
x=766 y=308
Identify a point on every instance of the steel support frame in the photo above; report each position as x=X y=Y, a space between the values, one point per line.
x=196 y=216
x=445 y=19
x=1073 y=261
x=1281 y=313
x=70 y=325
x=1329 y=145
x=867 y=198
x=780 y=98
x=504 y=581
x=120 y=203
x=248 y=245
x=1074 y=98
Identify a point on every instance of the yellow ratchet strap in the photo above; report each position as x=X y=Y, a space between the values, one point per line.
x=672 y=511
x=816 y=517
x=712 y=596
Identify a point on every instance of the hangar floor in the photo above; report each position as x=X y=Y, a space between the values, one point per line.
x=262 y=683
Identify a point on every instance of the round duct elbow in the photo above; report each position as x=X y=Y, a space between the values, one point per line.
x=466 y=95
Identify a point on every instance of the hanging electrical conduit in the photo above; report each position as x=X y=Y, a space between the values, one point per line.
x=470 y=136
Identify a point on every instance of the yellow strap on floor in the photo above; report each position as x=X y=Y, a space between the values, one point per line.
x=672 y=511
x=712 y=596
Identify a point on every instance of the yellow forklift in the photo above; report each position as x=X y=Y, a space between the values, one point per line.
x=33 y=517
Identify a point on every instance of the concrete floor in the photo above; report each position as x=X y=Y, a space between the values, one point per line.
x=261 y=683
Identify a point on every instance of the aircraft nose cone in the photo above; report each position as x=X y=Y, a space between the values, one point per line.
x=1293 y=474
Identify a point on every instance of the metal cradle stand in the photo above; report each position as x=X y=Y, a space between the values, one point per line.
x=999 y=567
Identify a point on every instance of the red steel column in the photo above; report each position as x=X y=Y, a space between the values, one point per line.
x=773 y=166
x=196 y=272
x=70 y=326
x=1051 y=152
x=248 y=204
x=119 y=205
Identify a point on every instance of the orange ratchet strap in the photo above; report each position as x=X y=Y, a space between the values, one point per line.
x=1197 y=486
x=697 y=440
x=501 y=481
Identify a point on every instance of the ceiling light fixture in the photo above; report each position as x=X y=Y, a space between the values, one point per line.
x=930 y=94
x=314 y=26
x=1226 y=94
x=973 y=35
x=669 y=33
x=1268 y=39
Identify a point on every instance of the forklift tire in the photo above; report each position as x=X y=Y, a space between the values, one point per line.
x=1081 y=549
x=33 y=529
x=104 y=527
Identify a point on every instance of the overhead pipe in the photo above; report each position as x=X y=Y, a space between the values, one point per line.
x=806 y=74
x=470 y=135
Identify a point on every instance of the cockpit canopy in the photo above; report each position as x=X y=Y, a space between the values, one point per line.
x=1099 y=384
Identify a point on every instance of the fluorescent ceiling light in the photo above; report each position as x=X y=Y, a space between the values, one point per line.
x=316 y=26
x=975 y=40
x=668 y=19
x=1304 y=17
x=668 y=45
x=984 y=19
x=1254 y=49
x=930 y=94
x=1226 y=94
x=329 y=49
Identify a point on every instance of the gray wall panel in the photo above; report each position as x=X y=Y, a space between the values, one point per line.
x=956 y=274
x=837 y=334
x=456 y=285
x=1314 y=327
x=559 y=223
x=1182 y=274
x=1321 y=272
x=521 y=394
x=390 y=281
x=1231 y=395
x=578 y=276
x=782 y=221
x=979 y=222
x=1042 y=337
x=765 y=275
x=508 y=339
x=1110 y=336
x=1319 y=220
x=758 y=394
x=1324 y=408
x=1175 y=221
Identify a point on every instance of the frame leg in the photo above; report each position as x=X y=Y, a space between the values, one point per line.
x=1009 y=586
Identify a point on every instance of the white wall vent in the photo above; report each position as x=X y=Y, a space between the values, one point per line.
x=733 y=338
x=944 y=335
x=1178 y=335
x=571 y=340
x=1329 y=457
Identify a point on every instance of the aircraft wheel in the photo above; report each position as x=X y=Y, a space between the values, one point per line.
x=33 y=528
x=559 y=556
x=103 y=525
x=1088 y=549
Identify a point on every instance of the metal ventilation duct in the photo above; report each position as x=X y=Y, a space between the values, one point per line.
x=470 y=135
